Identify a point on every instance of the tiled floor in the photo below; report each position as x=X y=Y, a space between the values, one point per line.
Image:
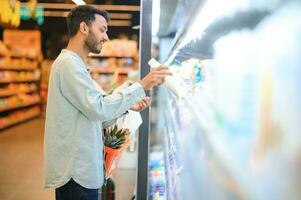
x=21 y=165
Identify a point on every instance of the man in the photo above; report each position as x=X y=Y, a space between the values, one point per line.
x=76 y=109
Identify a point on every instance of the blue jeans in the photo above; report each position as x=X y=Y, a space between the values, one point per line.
x=74 y=191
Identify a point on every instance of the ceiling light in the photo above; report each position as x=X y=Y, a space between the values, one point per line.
x=79 y=2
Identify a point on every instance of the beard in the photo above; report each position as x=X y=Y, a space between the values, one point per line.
x=91 y=43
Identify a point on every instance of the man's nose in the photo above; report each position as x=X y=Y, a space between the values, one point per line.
x=106 y=37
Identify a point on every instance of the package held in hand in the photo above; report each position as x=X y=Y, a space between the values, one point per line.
x=173 y=83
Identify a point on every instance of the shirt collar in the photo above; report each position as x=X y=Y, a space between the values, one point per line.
x=77 y=56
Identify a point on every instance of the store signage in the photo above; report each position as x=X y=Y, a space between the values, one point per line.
x=37 y=14
x=11 y=12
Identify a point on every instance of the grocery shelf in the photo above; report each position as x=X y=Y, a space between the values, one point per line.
x=19 y=81
x=110 y=56
x=157 y=188
x=21 y=120
x=112 y=70
x=18 y=68
x=16 y=55
x=19 y=106
x=15 y=92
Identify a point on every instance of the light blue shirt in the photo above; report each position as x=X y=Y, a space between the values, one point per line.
x=73 y=144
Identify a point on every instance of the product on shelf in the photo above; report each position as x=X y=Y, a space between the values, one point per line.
x=104 y=80
x=23 y=43
x=117 y=47
x=110 y=78
x=106 y=63
x=19 y=75
x=3 y=49
x=19 y=100
x=13 y=89
x=19 y=116
x=173 y=83
x=157 y=179
x=18 y=63
x=16 y=76
x=111 y=67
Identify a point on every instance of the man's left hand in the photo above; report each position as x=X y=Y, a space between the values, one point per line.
x=141 y=105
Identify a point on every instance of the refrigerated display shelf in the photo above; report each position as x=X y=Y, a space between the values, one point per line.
x=171 y=154
x=207 y=138
x=157 y=185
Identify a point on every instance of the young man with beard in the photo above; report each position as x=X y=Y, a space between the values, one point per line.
x=73 y=132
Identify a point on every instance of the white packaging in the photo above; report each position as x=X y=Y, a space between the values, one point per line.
x=173 y=83
x=131 y=121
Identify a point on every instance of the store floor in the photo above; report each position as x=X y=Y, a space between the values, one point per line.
x=21 y=165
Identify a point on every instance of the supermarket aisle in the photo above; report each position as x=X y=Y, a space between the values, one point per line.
x=21 y=157
x=21 y=165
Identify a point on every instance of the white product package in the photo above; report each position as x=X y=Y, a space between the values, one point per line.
x=131 y=121
x=172 y=83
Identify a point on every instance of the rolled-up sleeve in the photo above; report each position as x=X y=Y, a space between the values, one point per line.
x=78 y=88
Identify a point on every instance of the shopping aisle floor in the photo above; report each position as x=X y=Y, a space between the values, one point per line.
x=21 y=165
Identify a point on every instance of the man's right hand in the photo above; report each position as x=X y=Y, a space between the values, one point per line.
x=155 y=77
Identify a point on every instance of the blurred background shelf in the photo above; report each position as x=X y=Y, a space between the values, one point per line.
x=19 y=116
x=18 y=68
x=110 y=56
x=19 y=105
x=104 y=70
x=5 y=93
x=19 y=80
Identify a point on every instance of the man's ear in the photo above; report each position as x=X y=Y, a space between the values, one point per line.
x=83 y=28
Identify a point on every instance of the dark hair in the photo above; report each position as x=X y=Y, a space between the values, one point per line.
x=83 y=13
